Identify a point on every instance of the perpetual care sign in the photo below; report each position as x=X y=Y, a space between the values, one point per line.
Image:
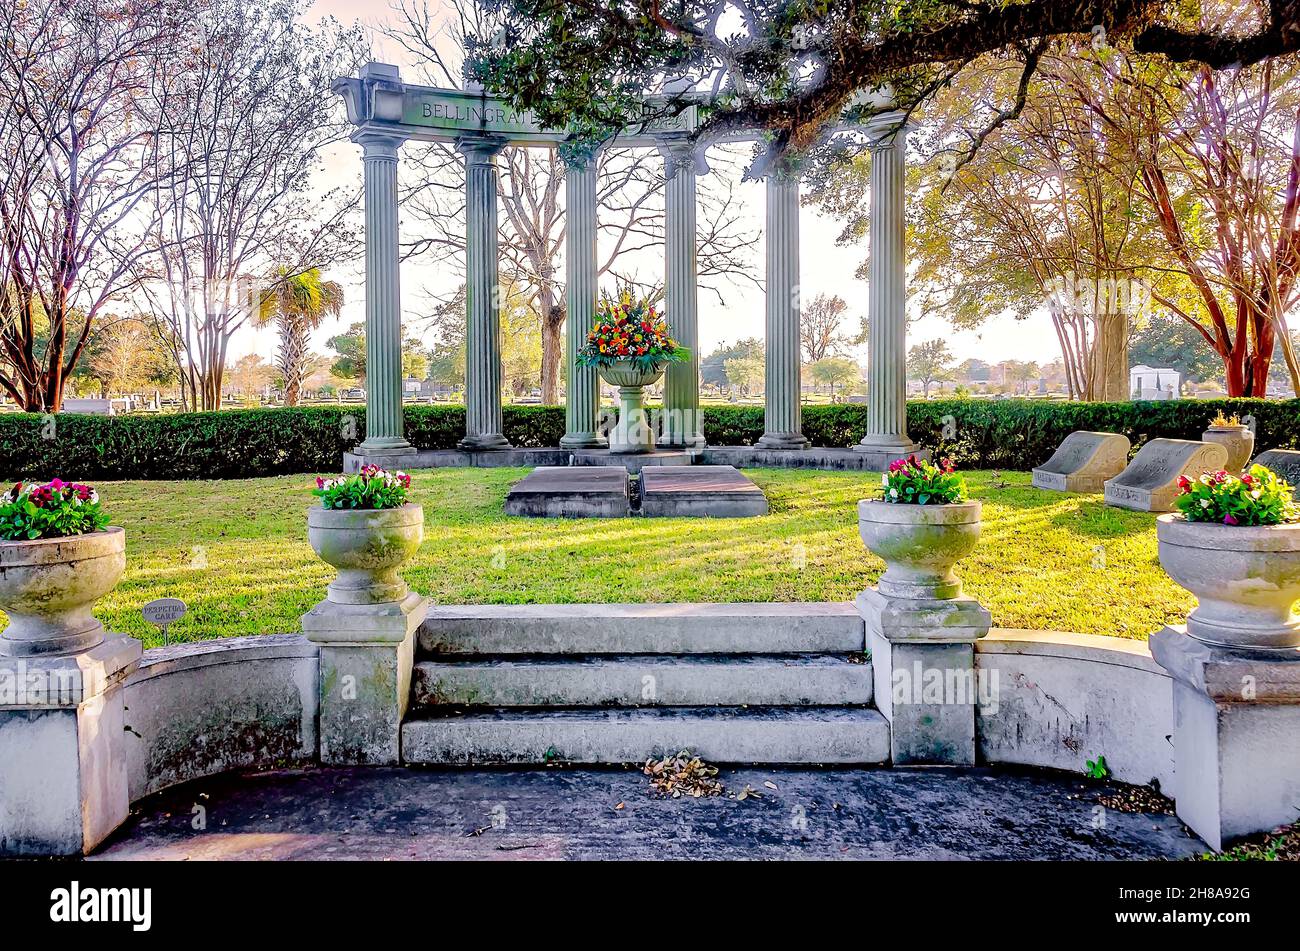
x=163 y=613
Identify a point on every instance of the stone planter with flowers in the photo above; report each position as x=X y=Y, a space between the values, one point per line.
x=1235 y=544
x=63 y=787
x=630 y=345
x=920 y=627
x=1234 y=436
x=366 y=528
x=1235 y=664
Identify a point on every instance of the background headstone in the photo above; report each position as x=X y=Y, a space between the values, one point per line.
x=1150 y=483
x=1285 y=462
x=1083 y=462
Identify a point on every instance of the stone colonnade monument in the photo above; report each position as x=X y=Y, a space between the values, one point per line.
x=387 y=113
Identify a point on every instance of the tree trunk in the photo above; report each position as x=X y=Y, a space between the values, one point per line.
x=1110 y=357
x=293 y=350
x=553 y=315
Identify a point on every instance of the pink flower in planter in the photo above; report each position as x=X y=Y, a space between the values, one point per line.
x=1229 y=519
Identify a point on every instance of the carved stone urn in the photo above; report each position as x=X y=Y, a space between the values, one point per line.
x=49 y=586
x=1237 y=439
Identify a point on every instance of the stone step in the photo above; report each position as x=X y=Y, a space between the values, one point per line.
x=645 y=680
x=813 y=628
x=765 y=735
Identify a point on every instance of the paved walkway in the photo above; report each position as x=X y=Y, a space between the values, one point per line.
x=576 y=814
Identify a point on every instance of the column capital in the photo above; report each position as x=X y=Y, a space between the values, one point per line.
x=886 y=130
x=679 y=154
x=480 y=149
x=579 y=159
x=378 y=145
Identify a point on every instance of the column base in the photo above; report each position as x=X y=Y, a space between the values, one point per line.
x=366 y=658
x=484 y=442
x=583 y=441
x=923 y=665
x=783 y=441
x=63 y=744
x=879 y=457
x=689 y=443
x=385 y=446
x=1236 y=735
x=401 y=459
x=885 y=443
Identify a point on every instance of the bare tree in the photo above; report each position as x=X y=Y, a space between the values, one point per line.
x=77 y=144
x=630 y=196
x=819 y=327
x=245 y=112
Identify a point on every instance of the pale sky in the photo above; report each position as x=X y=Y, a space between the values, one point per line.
x=824 y=266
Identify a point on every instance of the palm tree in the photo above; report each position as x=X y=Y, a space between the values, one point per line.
x=297 y=305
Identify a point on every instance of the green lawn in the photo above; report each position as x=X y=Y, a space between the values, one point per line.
x=236 y=552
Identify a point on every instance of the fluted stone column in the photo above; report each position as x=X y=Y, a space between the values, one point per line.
x=782 y=428
x=483 y=423
x=384 y=425
x=887 y=300
x=682 y=425
x=582 y=395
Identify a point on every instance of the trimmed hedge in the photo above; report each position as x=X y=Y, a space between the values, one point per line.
x=236 y=444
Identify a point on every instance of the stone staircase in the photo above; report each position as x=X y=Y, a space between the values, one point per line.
x=734 y=683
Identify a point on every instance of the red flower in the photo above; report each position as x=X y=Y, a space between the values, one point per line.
x=1184 y=483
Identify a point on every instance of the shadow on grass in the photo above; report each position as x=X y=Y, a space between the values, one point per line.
x=1098 y=520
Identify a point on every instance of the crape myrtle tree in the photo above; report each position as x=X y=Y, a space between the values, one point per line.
x=629 y=195
x=245 y=113
x=76 y=164
x=799 y=70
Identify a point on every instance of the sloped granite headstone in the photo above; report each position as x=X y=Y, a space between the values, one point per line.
x=1083 y=462
x=1150 y=483
x=1285 y=462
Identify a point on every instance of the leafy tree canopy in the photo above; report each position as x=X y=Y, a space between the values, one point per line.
x=799 y=69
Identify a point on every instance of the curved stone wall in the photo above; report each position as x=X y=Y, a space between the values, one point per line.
x=193 y=710
x=1064 y=699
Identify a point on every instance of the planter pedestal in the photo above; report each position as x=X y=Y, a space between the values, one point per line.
x=1236 y=735
x=366 y=657
x=921 y=630
x=632 y=432
x=923 y=666
x=365 y=628
x=63 y=729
